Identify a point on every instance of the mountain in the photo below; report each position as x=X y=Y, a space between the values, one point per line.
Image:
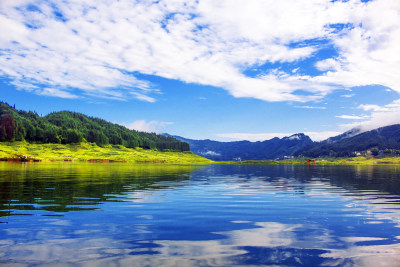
x=246 y=150
x=344 y=145
x=384 y=138
x=70 y=127
x=350 y=133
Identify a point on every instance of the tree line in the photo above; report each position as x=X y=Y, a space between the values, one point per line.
x=67 y=127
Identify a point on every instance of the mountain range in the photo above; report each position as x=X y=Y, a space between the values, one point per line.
x=347 y=144
x=246 y=150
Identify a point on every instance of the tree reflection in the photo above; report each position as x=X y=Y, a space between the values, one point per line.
x=63 y=187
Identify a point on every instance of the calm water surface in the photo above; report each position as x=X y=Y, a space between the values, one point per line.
x=73 y=214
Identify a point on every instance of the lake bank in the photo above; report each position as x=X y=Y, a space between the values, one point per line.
x=322 y=161
x=24 y=151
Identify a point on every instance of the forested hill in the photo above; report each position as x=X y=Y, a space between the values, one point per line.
x=69 y=127
x=385 y=139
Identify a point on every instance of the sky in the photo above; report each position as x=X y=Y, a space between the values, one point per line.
x=202 y=69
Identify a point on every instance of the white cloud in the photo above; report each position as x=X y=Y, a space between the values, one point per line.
x=369 y=107
x=316 y=136
x=99 y=47
x=310 y=107
x=352 y=117
x=56 y=93
x=348 y=95
x=148 y=126
x=252 y=136
x=380 y=116
x=210 y=153
x=328 y=64
x=319 y=136
x=369 y=52
x=143 y=97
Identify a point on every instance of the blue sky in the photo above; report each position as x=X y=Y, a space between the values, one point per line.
x=220 y=70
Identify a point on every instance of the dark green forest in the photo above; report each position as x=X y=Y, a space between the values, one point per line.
x=67 y=127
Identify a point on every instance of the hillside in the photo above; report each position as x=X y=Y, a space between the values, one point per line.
x=347 y=134
x=381 y=139
x=246 y=150
x=24 y=151
x=69 y=127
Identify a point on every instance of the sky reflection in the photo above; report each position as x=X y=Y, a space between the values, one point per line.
x=267 y=243
x=217 y=216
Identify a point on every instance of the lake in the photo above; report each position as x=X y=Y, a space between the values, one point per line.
x=92 y=214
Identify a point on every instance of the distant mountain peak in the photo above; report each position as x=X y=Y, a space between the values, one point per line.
x=297 y=136
x=352 y=142
x=350 y=133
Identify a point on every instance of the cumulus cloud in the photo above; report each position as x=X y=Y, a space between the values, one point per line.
x=99 y=48
x=369 y=107
x=148 y=126
x=368 y=51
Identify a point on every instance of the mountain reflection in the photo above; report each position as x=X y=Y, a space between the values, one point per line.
x=383 y=178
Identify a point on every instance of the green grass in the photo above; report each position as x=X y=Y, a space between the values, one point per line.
x=92 y=152
x=347 y=161
x=323 y=161
x=252 y=162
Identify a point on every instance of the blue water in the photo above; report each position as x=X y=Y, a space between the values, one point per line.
x=82 y=214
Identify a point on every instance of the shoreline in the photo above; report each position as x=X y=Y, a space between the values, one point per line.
x=90 y=152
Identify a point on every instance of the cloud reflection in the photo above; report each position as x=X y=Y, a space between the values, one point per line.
x=365 y=255
x=334 y=226
x=279 y=243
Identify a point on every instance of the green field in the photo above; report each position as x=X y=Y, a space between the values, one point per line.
x=91 y=152
x=323 y=161
x=346 y=161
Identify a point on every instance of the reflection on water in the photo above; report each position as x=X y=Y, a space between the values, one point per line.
x=63 y=187
x=141 y=215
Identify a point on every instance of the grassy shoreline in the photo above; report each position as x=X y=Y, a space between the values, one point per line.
x=380 y=160
x=90 y=152
x=322 y=161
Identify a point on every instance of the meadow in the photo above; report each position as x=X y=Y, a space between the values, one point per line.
x=84 y=151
